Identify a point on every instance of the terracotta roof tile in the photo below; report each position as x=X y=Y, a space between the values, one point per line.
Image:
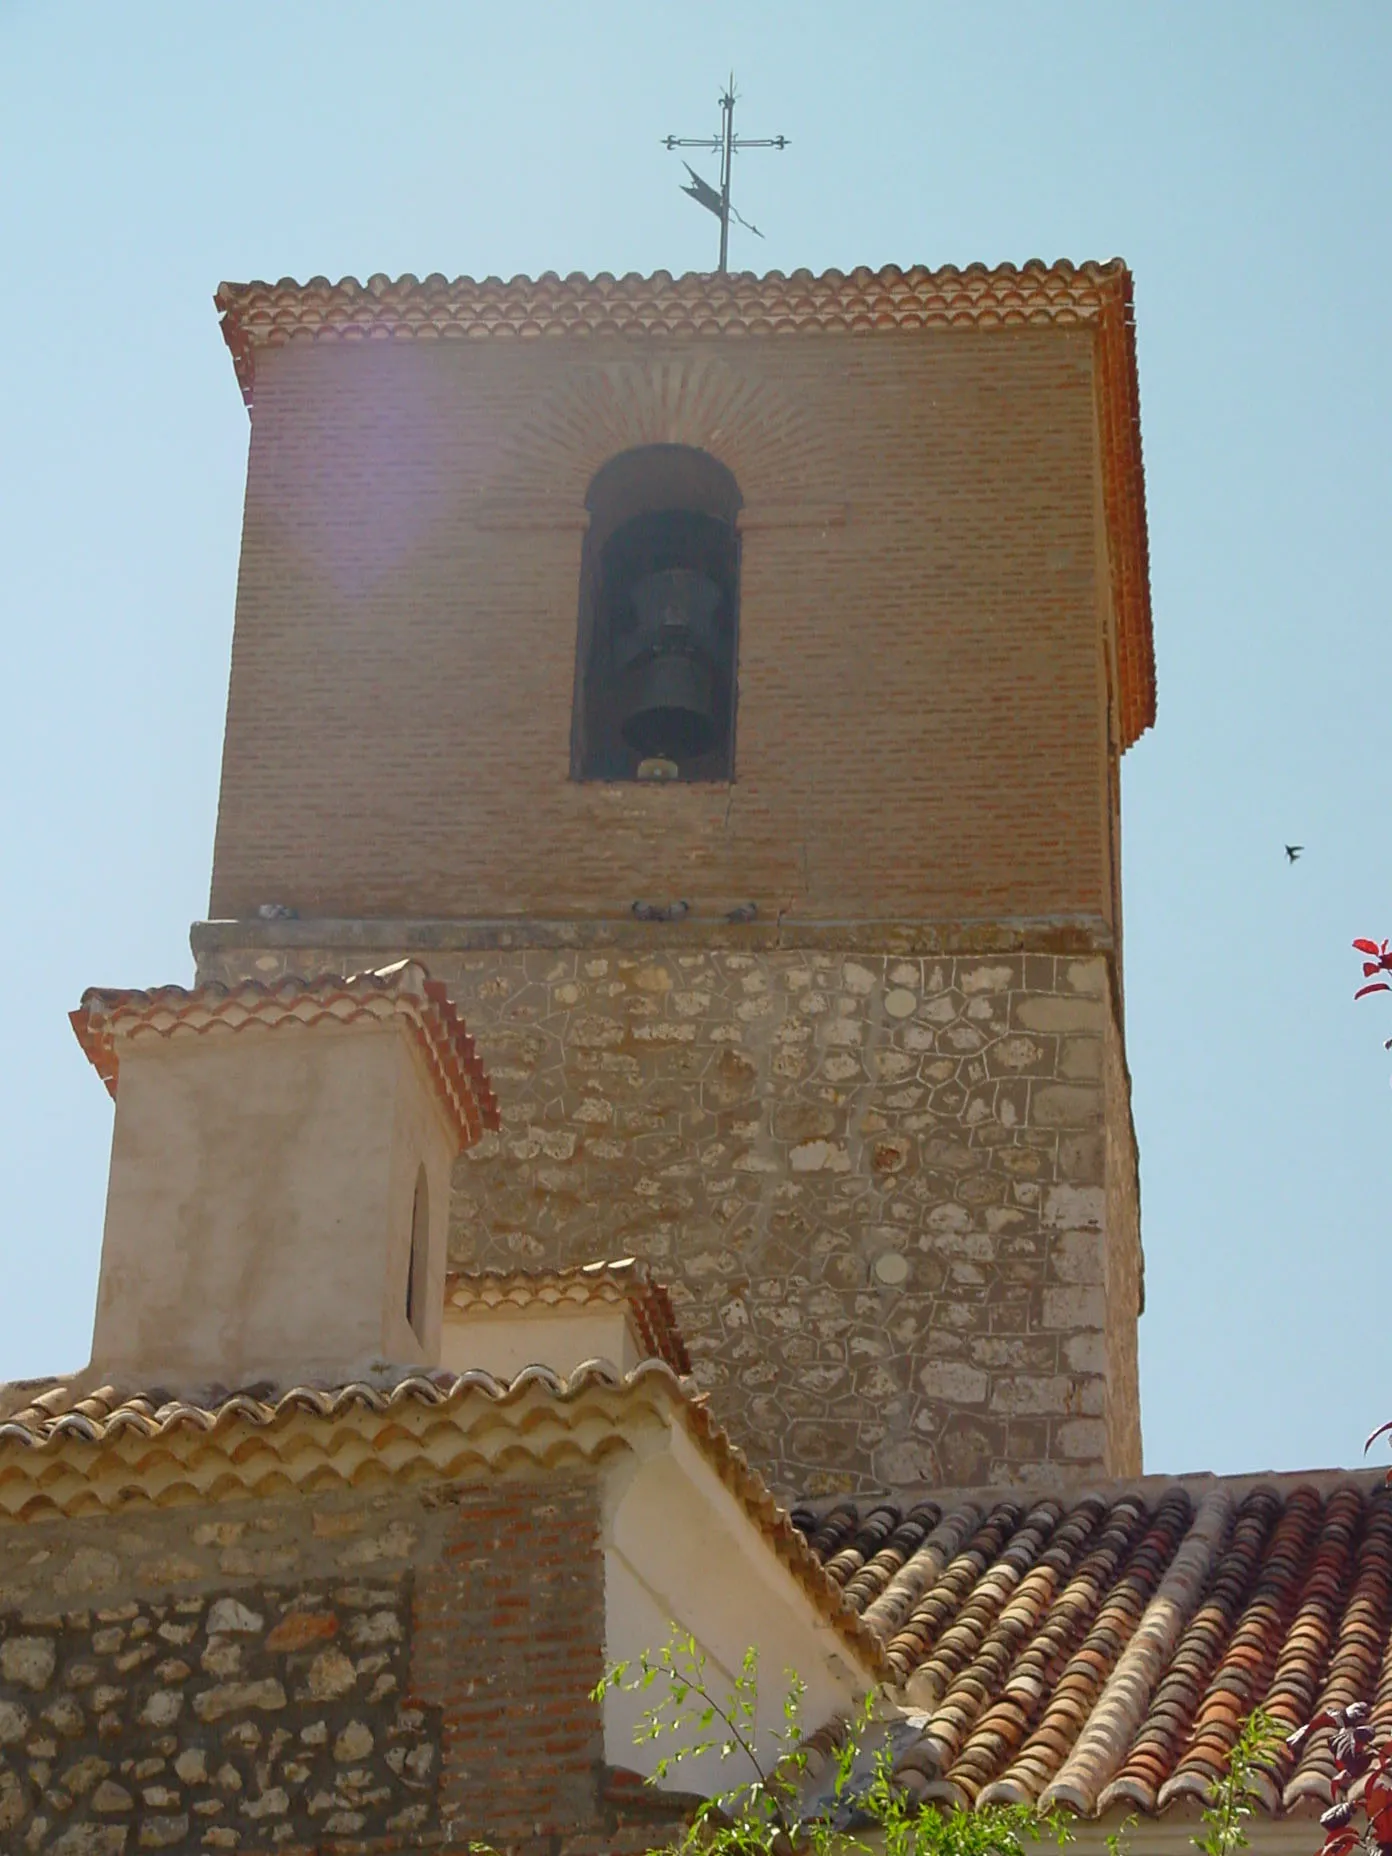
x=861 y=301
x=620 y=1280
x=1101 y=1650
x=700 y=304
x=403 y=990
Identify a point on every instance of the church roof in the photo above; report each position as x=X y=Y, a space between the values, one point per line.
x=1094 y=1649
x=403 y=990
x=1101 y=1650
x=64 y=1451
x=701 y=304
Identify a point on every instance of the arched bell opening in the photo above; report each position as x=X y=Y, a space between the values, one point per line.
x=659 y=610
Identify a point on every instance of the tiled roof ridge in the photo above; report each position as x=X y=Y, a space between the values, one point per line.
x=105 y=1424
x=102 y=1414
x=403 y=989
x=621 y=1279
x=1121 y=1707
x=863 y=301
x=1170 y=1729
x=1059 y=1612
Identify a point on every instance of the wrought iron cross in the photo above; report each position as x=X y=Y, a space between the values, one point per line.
x=727 y=145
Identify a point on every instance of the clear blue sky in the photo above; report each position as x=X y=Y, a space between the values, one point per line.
x=1238 y=156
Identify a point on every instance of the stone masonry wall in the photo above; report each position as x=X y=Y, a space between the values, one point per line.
x=297 y=1676
x=889 y=1191
x=1123 y=1260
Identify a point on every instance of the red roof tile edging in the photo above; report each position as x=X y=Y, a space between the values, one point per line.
x=404 y=990
x=622 y=1279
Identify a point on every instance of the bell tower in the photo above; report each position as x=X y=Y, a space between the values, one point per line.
x=719 y=683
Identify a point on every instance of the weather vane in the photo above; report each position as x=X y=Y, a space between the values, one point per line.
x=727 y=145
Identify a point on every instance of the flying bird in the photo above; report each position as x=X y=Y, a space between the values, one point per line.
x=1293 y=851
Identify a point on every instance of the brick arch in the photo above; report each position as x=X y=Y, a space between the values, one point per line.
x=750 y=426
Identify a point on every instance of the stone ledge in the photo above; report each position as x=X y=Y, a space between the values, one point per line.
x=1061 y=934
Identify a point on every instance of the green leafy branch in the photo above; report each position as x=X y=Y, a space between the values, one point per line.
x=692 y=1717
x=1230 y=1796
x=761 y=1813
x=767 y=1809
x=993 y=1830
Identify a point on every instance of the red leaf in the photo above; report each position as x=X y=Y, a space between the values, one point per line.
x=1378 y=986
x=1340 y=1842
x=1367 y=947
x=1373 y=1436
x=1370 y=967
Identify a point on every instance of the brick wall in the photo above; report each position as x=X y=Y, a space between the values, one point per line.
x=893 y=1194
x=510 y=1643
x=921 y=720
x=370 y=1673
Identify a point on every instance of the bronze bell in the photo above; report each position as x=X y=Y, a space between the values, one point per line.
x=666 y=660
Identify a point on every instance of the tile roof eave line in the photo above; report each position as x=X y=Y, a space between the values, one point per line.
x=425 y=1388
x=614 y=1283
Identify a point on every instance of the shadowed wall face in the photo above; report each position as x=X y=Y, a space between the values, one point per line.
x=921 y=714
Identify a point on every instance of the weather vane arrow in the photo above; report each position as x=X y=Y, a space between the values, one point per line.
x=727 y=145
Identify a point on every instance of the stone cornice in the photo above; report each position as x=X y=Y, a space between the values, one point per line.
x=1062 y=934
